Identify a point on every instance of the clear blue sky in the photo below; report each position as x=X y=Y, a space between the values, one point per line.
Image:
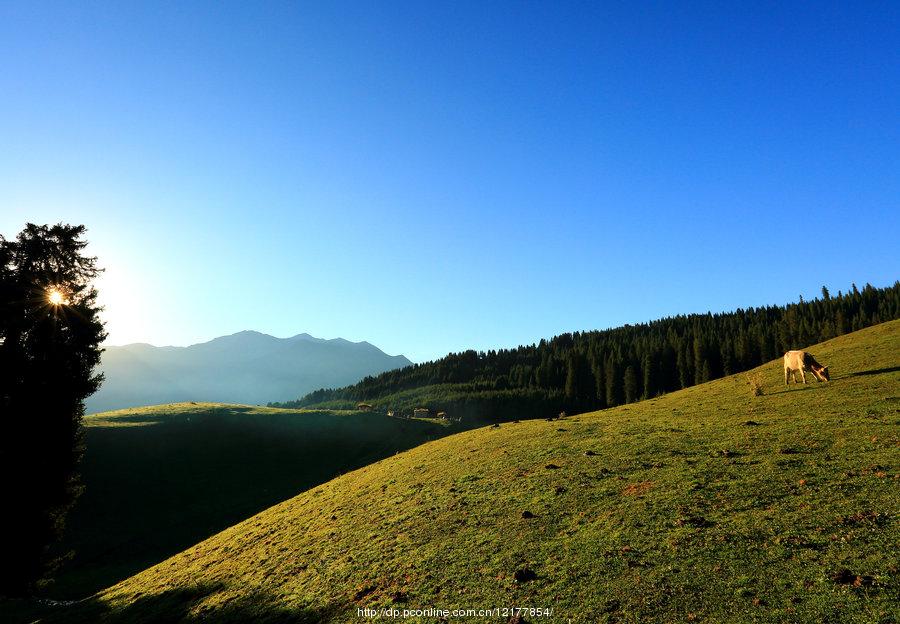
x=439 y=176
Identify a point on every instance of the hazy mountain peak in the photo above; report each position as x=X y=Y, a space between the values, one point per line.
x=247 y=367
x=338 y=340
x=307 y=337
x=245 y=334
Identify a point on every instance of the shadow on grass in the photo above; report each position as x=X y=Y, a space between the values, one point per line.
x=186 y=606
x=877 y=371
x=792 y=388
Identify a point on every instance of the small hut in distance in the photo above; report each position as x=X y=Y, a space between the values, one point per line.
x=364 y=407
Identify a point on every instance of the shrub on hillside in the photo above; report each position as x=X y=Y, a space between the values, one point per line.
x=756 y=383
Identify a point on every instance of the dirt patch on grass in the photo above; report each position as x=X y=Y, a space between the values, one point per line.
x=846 y=577
x=363 y=592
x=636 y=489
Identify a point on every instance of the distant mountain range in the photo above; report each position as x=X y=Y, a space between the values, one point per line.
x=247 y=367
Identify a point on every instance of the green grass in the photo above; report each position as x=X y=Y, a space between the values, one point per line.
x=705 y=505
x=159 y=479
x=474 y=404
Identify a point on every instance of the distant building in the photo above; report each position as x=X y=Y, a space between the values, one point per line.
x=364 y=407
x=421 y=412
x=442 y=415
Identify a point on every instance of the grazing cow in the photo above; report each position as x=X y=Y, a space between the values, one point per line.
x=801 y=361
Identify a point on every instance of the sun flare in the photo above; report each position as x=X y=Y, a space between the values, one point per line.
x=55 y=297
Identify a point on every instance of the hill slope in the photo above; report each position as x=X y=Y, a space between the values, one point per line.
x=592 y=370
x=247 y=368
x=705 y=505
x=159 y=479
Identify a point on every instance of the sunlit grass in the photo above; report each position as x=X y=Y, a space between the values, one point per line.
x=713 y=504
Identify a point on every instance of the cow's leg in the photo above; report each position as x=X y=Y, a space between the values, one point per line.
x=787 y=372
x=803 y=376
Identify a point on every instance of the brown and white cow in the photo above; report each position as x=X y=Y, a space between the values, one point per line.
x=801 y=361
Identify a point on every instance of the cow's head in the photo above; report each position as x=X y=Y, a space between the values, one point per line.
x=822 y=373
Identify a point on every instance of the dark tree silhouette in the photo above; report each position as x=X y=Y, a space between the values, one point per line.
x=49 y=345
x=630 y=385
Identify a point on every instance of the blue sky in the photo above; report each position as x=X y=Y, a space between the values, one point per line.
x=439 y=176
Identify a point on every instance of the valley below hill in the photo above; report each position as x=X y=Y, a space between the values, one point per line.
x=159 y=479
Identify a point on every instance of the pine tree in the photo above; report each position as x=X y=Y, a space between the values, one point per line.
x=572 y=378
x=599 y=383
x=51 y=335
x=612 y=383
x=630 y=384
x=648 y=369
x=684 y=373
x=701 y=365
x=699 y=359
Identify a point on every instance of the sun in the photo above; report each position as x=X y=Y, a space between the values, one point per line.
x=55 y=297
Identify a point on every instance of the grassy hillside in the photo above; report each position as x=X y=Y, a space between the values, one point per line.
x=473 y=403
x=159 y=479
x=705 y=505
x=592 y=370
